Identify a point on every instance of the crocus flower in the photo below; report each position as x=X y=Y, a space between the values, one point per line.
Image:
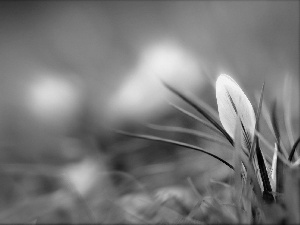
x=233 y=106
x=233 y=103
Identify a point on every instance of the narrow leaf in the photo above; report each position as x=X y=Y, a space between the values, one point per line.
x=169 y=141
x=266 y=115
x=274 y=121
x=252 y=178
x=205 y=123
x=279 y=164
x=270 y=148
x=188 y=131
x=287 y=98
x=194 y=189
x=259 y=165
x=294 y=149
x=255 y=146
x=240 y=171
x=201 y=108
x=276 y=130
x=260 y=156
x=258 y=113
x=263 y=175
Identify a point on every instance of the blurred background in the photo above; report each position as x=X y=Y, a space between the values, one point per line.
x=69 y=70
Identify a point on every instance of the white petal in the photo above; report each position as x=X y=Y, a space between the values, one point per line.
x=233 y=105
x=274 y=168
x=232 y=102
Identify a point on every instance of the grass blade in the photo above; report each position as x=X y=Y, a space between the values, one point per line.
x=252 y=178
x=194 y=189
x=270 y=147
x=287 y=96
x=259 y=159
x=263 y=175
x=294 y=149
x=238 y=174
x=205 y=123
x=188 y=131
x=177 y=143
x=258 y=113
x=280 y=166
x=275 y=122
x=281 y=147
x=266 y=115
x=198 y=105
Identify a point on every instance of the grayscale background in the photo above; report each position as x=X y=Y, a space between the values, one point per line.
x=69 y=70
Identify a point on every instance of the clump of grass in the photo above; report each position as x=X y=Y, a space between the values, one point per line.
x=260 y=190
